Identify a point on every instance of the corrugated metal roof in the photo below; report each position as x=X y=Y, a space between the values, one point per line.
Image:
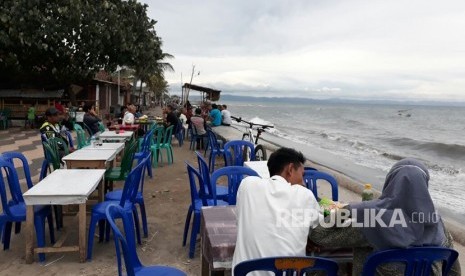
x=12 y=93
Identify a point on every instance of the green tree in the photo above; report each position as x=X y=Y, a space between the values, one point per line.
x=47 y=43
x=158 y=85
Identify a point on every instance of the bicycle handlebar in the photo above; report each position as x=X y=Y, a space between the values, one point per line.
x=250 y=123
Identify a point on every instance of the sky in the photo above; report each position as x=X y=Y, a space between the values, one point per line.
x=377 y=50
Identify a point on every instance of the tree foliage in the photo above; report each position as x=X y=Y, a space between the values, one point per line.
x=54 y=42
x=158 y=85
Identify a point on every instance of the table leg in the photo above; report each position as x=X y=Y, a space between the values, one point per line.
x=82 y=232
x=204 y=266
x=29 y=234
x=101 y=190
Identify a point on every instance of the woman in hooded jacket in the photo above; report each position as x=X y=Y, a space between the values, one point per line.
x=404 y=196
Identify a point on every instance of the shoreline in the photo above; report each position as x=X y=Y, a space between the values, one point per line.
x=350 y=176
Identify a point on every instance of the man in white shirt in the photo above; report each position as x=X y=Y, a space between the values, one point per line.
x=129 y=115
x=274 y=215
x=226 y=116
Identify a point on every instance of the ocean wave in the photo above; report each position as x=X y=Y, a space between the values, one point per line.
x=453 y=151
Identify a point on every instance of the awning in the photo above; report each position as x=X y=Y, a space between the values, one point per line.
x=13 y=93
x=207 y=93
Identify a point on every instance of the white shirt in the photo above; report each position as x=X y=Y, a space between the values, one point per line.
x=183 y=120
x=226 y=116
x=128 y=118
x=273 y=218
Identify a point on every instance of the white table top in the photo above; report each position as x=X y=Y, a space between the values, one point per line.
x=260 y=167
x=111 y=134
x=91 y=155
x=106 y=146
x=64 y=187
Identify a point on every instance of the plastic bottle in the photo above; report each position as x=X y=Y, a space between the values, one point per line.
x=367 y=193
x=97 y=139
x=92 y=141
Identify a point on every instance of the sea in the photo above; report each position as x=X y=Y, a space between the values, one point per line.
x=374 y=136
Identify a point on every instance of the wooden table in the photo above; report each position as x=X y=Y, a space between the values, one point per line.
x=61 y=187
x=93 y=159
x=218 y=233
x=111 y=135
x=260 y=167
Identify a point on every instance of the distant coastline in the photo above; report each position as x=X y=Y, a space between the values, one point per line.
x=299 y=100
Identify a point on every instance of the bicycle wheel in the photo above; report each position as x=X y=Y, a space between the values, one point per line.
x=260 y=153
x=246 y=151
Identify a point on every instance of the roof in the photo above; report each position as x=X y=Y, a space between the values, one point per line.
x=35 y=93
x=212 y=94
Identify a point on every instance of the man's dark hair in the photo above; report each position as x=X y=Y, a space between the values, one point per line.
x=214 y=106
x=87 y=107
x=224 y=106
x=283 y=157
x=198 y=111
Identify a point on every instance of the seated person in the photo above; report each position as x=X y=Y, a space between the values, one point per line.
x=129 y=118
x=215 y=115
x=198 y=122
x=226 y=116
x=51 y=127
x=171 y=118
x=91 y=119
x=404 y=196
x=267 y=224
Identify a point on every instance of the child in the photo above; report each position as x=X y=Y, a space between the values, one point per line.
x=31 y=116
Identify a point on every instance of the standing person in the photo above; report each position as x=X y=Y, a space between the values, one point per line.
x=266 y=224
x=183 y=118
x=226 y=115
x=404 y=198
x=91 y=119
x=31 y=116
x=215 y=115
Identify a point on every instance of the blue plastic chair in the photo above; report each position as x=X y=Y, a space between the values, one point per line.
x=290 y=265
x=179 y=134
x=126 y=244
x=215 y=150
x=195 y=137
x=127 y=202
x=15 y=209
x=417 y=260
x=198 y=199
x=221 y=191
x=10 y=156
x=117 y=194
x=145 y=151
x=235 y=174
x=70 y=139
x=236 y=151
x=312 y=176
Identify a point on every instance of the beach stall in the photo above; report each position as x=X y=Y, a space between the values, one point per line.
x=206 y=93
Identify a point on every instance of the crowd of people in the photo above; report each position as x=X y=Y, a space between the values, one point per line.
x=199 y=118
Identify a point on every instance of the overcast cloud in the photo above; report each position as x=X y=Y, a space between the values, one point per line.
x=318 y=49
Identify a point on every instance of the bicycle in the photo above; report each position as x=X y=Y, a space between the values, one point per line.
x=260 y=152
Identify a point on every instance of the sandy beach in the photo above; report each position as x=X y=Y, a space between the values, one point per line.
x=167 y=198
